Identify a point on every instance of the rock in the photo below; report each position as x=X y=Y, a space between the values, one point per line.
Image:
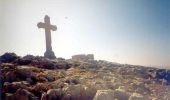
x=8 y=57
x=121 y=94
x=44 y=96
x=104 y=95
x=63 y=65
x=167 y=77
x=22 y=61
x=76 y=92
x=8 y=96
x=54 y=94
x=23 y=94
x=24 y=72
x=10 y=76
x=86 y=65
x=49 y=77
x=72 y=80
x=49 y=65
x=160 y=73
x=29 y=57
x=12 y=87
x=136 y=96
x=39 y=88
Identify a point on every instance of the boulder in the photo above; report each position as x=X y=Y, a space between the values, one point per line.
x=23 y=94
x=49 y=65
x=8 y=57
x=136 y=96
x=104 y=95
x=24 y=72
x=121 y=94
x=72 y=80
x=12 y=87
x=76 y=92
x=10 y=76
x=53 y=94
x=23 y=61
x=49 y=77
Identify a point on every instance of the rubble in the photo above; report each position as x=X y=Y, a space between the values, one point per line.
x=38 y=78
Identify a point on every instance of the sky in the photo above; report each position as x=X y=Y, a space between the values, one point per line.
x=125 y=31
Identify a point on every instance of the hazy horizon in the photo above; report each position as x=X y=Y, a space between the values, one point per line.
x=133 y=32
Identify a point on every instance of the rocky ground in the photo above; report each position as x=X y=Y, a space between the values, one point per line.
x=37 y=78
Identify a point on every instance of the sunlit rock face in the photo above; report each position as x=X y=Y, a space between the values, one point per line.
x=38 y=78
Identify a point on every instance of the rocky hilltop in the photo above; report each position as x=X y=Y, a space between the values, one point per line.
x=38 y=78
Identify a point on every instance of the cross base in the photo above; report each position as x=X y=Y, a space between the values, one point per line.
x=49 y=54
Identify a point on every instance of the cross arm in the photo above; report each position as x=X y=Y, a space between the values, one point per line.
x=54 y=27
x=41 y=25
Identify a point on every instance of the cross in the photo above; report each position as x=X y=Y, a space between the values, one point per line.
x=48 y=27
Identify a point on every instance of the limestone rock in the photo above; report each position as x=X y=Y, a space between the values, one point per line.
x=54 y=94
x=121 y=94
x=12 y=87
x=104 y=95
x=76 y=92
x=23 y=94
x=10 y=76
x=136 y=96
x=24 y=72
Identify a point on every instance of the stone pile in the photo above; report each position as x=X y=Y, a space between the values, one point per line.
x=37 y=78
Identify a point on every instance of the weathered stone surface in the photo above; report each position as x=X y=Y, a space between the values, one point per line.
x=136 y=96
x=54 y=94
x=121 y=94
x=104 y=95
x=22 y=61
x=74 y=82
x=22 y=94
x=12 y=87
x=10 y=76
x=48 y=27
x=76 y=92
x=24 y=72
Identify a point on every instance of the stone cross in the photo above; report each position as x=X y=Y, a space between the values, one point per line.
x=48 y=27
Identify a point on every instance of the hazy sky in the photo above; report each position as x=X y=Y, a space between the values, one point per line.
x=123 y=31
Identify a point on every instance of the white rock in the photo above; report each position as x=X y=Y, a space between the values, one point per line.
x=104 y=95
x=78 y=92
x=136 y=96
x=121 y=94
